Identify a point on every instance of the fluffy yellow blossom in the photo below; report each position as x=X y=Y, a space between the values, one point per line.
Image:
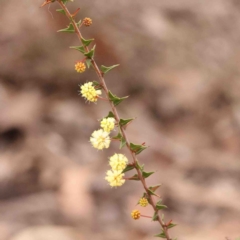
x=89 y=92
x=135 y=214
x=143 y=202
x=87 y=21
x=115 y=178
x=118 y=162
x=100 y=139
x=107 y=124
x=80 y=67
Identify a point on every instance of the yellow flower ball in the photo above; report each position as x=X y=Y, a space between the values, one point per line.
x=118 y=162
x=107 y=124
x=115 y=178
x=89 y=92
x=100 y=139
x=80 y=67
x=143 y=202
x=135 y=214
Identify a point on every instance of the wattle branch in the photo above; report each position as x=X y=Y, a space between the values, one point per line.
x=148 y=196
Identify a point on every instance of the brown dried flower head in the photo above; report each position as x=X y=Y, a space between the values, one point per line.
x=87 y=22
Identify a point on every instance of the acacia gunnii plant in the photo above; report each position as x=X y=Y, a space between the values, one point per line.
x=101 y=138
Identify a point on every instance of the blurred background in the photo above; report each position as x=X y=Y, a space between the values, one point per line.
x=179 y=63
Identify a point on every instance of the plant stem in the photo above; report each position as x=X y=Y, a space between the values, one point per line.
x=145 y=216
x=102 y=81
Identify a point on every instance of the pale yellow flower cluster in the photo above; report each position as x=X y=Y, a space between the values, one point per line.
x=143 y=202
x=89 y=92
x=100 y=139
x=115 y=176
x=118 y=162
x=107 y=124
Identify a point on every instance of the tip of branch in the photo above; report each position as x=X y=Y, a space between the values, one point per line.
x=75 y=13
x=45 y=3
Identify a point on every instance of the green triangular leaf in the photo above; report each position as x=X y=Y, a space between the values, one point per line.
x=110 y=114
x=116 y=100
x=123 y=122
x=97 y=85
x=128 y=168
x=140 y=167
x=147 y=174
x=86 y=42
x=162 y=217
x=154 y=188
x=79 y=48
x=161 y=235
x=160 y=206
x=79 y=23
x=171 y=225
x=152 y=193
x=118 y=137
x=69 y=29
x=61 y=11
x=134 y=177
x=64 y=1
x=137 y=148
x=155 y=216
x=105 y=69
x=88 y=62
x=123 y=143
x=90 y=54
